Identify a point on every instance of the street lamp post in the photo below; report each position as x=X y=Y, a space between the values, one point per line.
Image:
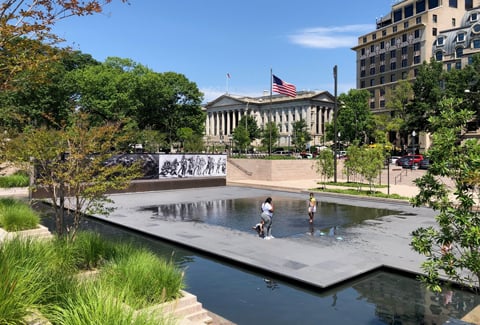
x=413 y=142
x=335 y=126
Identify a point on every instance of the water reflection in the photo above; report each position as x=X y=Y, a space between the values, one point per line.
x=290 y=218
x=247 y=297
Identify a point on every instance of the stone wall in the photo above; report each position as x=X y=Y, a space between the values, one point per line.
x=270 y=170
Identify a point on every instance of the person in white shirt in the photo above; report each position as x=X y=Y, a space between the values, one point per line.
x=267 y=216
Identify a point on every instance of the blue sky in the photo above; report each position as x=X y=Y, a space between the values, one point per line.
x=204 y=40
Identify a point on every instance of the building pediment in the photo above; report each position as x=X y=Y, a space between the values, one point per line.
x=224 y=100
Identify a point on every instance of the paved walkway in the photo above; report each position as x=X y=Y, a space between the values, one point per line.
x=316 y=261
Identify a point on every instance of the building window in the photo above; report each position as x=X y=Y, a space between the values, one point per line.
x=362 y=62
x=449 y=66
x=393 y=66
x=459 y=52
x=397 y=15
x=460 y=37
x=372 y=82
x=474 y=16
x=453 y=3
x=476 y=43
x=374 y=36
x=362 y=84
x=364 y=40
x=393 y=78
x=416 y=33
x=382 y=68
x=420 y=6
x=434 y=31
x=372 y=60
x=433 y=4
x=392 y=41
x=418 y=20
x=439 y=41
x=416 y=47
x=404 y=75
x=384 y=32
x=470 y=59
x=372 y=48
x=362 y=73
x=362 y=51
x=394 y=29
x=393 y=54
x=476 y=28
x=439 y=56
x=382 y=80
x=382 y=103
x=404 y=37
x=404 y=50
x=435 y=18
x=404 y=63
x=372 y=105
x=382 y=45
x=408 y=10
x=372 y=71
x=458 y=65
x=468 y=4
x=382 y=56
x=405 y=25
x=416 y=59
x=454 y=22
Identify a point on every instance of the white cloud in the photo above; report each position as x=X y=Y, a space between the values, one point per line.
x=330 y=37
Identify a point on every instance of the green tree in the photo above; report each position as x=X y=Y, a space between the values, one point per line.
x=354 y=118
x=300 y=135
x=324 y=165
x=270 y=135
x=241 y=137
x=71 y=165
x=452 y=247
x=26 y=36
x=397 y=103
x=427 y=95
x=254 y=131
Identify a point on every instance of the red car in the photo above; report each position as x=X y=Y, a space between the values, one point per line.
x=409 y=160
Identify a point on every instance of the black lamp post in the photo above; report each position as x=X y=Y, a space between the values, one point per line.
x=335 y=126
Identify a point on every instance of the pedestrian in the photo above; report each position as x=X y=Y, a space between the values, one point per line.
x=267 y=216
x=312 y=207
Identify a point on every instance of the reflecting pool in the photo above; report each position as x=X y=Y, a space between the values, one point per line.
x=248 y=297
x=290 y=217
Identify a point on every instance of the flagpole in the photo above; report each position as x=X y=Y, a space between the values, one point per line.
x=270 y=115
x=227 y=77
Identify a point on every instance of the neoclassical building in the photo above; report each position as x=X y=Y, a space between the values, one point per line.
x=225 y=112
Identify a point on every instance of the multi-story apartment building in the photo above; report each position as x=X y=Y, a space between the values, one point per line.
x=402 y=40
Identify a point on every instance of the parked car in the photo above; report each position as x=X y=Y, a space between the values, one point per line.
x=424 y=163
x=416 y=159
x=408 y=162
x=393 y=159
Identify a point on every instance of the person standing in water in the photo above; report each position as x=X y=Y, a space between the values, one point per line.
x=312 y=207
x=267 y=216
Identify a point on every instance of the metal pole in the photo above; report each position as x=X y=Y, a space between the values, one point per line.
x=335 y=126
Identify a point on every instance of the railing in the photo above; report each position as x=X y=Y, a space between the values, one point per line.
x=240 y=167
x=399 y=176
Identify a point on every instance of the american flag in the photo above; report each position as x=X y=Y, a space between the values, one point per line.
x=282 y=87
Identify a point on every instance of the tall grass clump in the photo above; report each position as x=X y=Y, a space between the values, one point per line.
x=93 y=303
x=145 y=278
x=19 y=179
x=23 y=274
x=16 y=215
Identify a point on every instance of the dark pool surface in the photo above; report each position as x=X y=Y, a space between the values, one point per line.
x=247 y=297
x=290 y=217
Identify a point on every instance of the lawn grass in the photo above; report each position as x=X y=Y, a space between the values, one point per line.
x=19 y=179
x=358 y=189
x=16 y=215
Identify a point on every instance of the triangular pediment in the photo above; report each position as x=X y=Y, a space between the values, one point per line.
x=225 y=100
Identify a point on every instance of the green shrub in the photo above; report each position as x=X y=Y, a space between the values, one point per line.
x=16 y=215
x=95 y=304
x=23 y=274
x=145 y=278
x=19 y=179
